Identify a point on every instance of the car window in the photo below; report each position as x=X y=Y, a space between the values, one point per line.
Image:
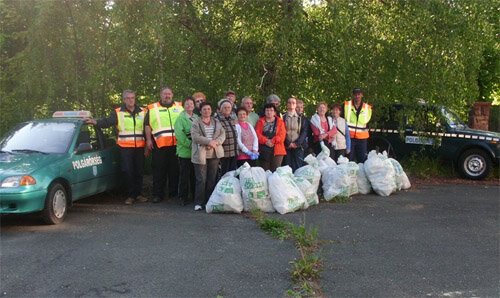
x=425 y=118
x=43 y=137
x=90 y=134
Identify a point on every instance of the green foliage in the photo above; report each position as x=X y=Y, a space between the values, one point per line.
x=81 y=54
x=423 y=166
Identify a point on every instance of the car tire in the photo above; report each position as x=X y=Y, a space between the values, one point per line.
x=474 y=164
x=56 y=205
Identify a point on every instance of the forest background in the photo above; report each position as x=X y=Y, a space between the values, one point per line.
x=81 y=54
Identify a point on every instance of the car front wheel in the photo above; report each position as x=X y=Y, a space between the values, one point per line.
x=56 y=205
x=474 y=164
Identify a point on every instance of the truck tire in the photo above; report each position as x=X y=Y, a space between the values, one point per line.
x=474 y=164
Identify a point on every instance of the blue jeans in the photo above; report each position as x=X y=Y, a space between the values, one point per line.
x=358 y=150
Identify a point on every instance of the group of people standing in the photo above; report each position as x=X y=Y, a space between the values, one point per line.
x=193 y=144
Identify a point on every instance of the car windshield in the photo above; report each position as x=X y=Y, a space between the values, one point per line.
x=452 y=118
x=39 y=137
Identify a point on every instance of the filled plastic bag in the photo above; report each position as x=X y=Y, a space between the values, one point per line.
x=402 y=181
x=226 y=197
x=352 y=170
x=254 y=189
x=310 y=172
x=380 y=173
x=285 y=194
x=336 y=182
x=324 y=160
x=310 y=193
x=364 y=186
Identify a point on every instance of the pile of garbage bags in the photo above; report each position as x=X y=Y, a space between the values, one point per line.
x=252 y=188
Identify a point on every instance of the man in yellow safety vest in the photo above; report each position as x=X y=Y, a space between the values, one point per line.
x=160 y=139
x=129 y=121
x=357 y=115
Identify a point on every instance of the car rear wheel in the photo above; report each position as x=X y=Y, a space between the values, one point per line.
x=56 y=205
x=474 y=164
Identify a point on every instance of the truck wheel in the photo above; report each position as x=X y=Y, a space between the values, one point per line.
x=474 y=164
x=56 y=205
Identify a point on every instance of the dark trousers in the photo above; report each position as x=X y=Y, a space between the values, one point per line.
x=206 y=177
x=294 y=158
x=227 y=164
x=358 y=150
x=186 y=179
x=132 y=164
x=165 y=162
x=240 y=162
x=338 y=153
x=272 y=165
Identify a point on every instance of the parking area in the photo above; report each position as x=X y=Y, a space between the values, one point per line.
x=439 y=240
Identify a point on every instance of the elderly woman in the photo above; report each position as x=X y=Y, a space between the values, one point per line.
x=323 y=129
x=182 y=130
x=297 y=128
x=208 y=135
x=230 y=145
x=341 y=143
x=247 y=139
x=271 y=133
x=275 y=100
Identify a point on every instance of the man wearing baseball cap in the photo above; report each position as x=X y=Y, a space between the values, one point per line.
x=357 y=115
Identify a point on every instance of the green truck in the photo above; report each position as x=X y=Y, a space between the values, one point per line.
x=435 y=131
x=46 y=165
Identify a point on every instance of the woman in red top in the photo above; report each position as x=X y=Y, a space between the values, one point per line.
x=271 y=133
x=323 y=128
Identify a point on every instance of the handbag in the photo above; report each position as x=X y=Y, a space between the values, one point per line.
x=266 y=153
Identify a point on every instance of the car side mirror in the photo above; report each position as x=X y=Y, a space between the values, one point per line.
x=83 y=147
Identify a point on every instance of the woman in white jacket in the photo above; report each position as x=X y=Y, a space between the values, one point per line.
x=248 y=144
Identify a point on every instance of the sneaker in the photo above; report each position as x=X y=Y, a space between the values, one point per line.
x=129 y=201
x=141 y=199
x=198 y=208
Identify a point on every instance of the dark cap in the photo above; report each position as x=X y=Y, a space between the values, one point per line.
x=357 y=90
x=230 y=92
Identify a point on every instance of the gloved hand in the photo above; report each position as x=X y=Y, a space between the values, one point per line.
x=254 y=156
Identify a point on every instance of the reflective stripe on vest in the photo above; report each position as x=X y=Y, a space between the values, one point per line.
x=162 y=120
x=130 y=135
x=357 y=127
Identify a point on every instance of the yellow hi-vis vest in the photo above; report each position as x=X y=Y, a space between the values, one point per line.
x=130 y=129
x=162 y=120
x=357 y=126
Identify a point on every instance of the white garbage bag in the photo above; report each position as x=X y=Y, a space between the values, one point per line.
x=380 y=173
x=310 y=172
x=324 y=159
x=402 y=181
x=255 y=192
x=309 y=191
x=364 y=186
x=226 y=197
x=336 y=183
x=352 y=170
x=285 y=194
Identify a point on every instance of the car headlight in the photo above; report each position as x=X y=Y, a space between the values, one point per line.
x=15 y=181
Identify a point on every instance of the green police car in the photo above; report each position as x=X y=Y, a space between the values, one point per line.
x=435 y=131
x=45 y=165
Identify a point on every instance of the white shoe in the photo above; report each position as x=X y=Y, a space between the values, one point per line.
x=197 y=208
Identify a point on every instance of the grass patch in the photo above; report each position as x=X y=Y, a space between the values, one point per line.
x=427 y=167
x=307 y=269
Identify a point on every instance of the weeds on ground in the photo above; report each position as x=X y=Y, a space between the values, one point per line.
x=426 y=167
x=307 y=269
